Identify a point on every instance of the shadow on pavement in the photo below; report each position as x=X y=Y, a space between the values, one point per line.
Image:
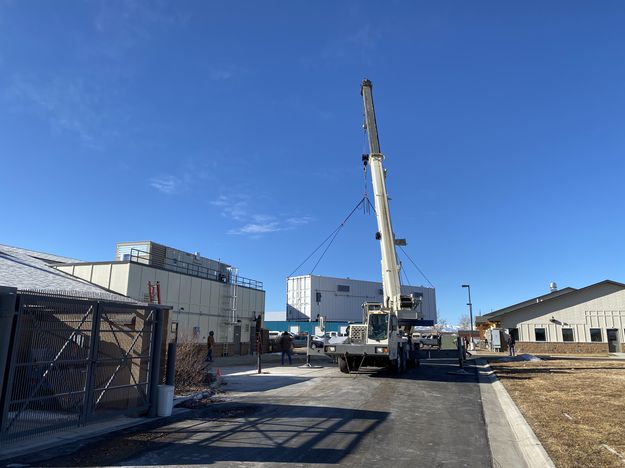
x=436 y=370
x=232 y=433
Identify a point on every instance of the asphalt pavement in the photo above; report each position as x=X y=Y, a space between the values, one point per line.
x=429 y=416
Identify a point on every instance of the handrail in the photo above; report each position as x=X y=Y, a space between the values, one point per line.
x=200 y=271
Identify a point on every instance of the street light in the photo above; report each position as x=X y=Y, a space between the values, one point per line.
x=468 y=286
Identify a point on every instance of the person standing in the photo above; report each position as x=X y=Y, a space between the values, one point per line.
x=210 y=342
x=286 y=345
x=511 y=343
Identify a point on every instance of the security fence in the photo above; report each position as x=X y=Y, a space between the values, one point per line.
x=72 y=360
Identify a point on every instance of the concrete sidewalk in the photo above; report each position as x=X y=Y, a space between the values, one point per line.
x=512 y=441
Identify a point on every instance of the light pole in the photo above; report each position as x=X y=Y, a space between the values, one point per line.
x=468 y=286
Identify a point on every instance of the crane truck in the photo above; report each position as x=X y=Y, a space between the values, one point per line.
x=385 y=337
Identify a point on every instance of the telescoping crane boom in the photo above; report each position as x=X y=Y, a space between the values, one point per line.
x=384 y=339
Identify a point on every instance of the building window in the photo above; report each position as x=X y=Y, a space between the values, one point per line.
x=381 y=292
x=342 y=288
x=540 y=334
x=514 y=333
x=595 y=334
x=567 y=334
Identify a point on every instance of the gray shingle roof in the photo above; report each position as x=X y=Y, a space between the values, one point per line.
x=29 y=270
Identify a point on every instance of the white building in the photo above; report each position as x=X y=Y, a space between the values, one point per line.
x=341 y=299
x=205 y=294
x=584 y=320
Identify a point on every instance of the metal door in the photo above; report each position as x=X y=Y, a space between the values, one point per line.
x=237 y=340
x=613 y=340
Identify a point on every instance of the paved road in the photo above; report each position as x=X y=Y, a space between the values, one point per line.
x=301 y=416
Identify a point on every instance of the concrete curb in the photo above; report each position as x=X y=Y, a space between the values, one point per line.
x=512 y=440
x=79 y=434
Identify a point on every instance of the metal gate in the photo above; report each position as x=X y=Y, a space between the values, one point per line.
x=72 y=360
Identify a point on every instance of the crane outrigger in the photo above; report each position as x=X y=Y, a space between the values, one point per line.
x=385 y=338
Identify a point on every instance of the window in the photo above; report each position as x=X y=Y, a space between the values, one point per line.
x=595 y=334
x=381 y=292
x=540 y=334
x=378 y=327
x=514 y=333
x=342 y=288
x=567 y=334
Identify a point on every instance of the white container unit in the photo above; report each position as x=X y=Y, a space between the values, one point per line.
x=341 y=299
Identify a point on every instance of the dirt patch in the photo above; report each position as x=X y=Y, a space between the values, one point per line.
x=575 y=407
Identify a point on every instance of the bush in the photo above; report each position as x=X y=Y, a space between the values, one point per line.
x=190 y=367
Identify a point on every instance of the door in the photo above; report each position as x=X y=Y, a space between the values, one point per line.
x=237 y=340
x=613 y=340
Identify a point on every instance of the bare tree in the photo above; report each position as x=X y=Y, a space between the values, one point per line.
x=464 y=323
x=442 y=323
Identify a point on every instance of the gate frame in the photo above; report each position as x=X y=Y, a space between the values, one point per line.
x=11 y=302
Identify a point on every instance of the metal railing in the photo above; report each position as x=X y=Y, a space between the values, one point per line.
x=73 y=360
x=186 y=268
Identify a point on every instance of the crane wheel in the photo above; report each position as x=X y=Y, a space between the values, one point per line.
x=343 y=367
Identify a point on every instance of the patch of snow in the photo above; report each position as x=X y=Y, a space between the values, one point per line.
x=520 y=357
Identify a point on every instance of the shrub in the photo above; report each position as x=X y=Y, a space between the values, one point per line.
x=190 y=367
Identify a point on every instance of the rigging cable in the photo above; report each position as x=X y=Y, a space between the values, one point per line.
x=332 y=236
x=405 y=275
x=415 y=265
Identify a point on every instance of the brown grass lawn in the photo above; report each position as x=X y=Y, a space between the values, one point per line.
x=573 y=406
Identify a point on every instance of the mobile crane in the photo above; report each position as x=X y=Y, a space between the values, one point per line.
x=385 y=338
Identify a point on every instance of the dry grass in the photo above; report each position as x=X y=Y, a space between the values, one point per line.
x=573 y=406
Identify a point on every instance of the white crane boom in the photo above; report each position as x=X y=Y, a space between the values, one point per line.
x=391 y=284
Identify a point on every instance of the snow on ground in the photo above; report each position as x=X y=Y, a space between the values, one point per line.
x=520 y=357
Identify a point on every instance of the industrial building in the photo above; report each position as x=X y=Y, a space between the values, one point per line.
x=341 y=299
x=205 y=294
x=585 y=320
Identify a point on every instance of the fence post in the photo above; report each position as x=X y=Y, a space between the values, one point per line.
x=93 y=357
x=8 y=335
x=170 y=376
x=155 y=363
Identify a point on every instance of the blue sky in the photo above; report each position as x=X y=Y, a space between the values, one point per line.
x=234 y=129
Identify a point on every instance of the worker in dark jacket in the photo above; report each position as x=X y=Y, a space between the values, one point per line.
x=286 y=346
x=210 y=342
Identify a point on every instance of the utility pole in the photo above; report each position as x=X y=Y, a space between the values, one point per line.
x=468 y=286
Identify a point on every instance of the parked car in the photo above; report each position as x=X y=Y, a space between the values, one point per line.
x=317 y=342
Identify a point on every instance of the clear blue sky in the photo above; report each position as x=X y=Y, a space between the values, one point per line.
x=234 y=129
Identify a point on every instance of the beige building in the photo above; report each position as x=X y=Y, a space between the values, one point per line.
x=585 y=320
x=205 y=294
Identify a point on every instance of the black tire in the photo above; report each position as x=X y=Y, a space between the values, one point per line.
x=343 y=367
x=399 y=362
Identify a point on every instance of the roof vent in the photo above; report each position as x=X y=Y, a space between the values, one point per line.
x=553 y=287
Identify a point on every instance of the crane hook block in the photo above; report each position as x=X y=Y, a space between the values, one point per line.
x=365 y=159
x=378 y=236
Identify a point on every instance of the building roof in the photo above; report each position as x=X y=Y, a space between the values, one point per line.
x=29 y=270
x=545 y=297
x=46 y=257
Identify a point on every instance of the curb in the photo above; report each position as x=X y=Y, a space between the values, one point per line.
x=507 y=428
